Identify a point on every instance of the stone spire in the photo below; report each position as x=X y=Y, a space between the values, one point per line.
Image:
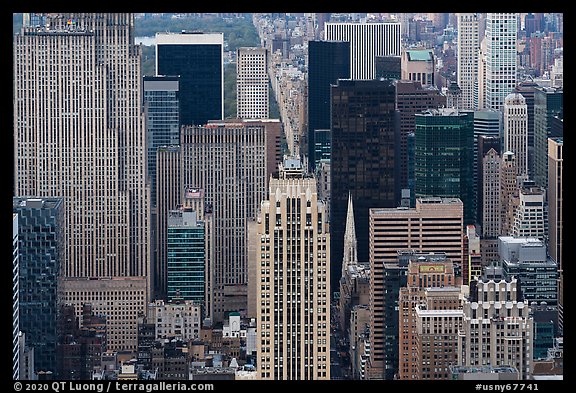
x=350 y=243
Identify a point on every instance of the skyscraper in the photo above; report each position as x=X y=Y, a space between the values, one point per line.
x=496 y=327
x=229 y=161
x=548 y=102
x=15 y=300
x=252 y=96
x=168 y=197
x=443 y=161
x=468 y=49
x=487 y=123
x=79 y=134
x=364 y=159
x=367 y=40
x=328 y=61
x=41 y=246
x=186 y=251
x=555 y=209
x=293 y=279
x=198 y=59
x=501 y=57
x=530 y=215
x=516 y=130
x=412 y=98
x=400 y=229
x=161 y=102
x=432 y=271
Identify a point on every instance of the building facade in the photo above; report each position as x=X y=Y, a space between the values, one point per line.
x=443 y=161
x=516 y=130
x=496 y=328
x=252 y=85
x=199 y=61
x=328 y=61
x=41 y=249
x=418 y=65
x=501 y=57
x=468 y=47
x=555 y=209
x=229 y=161
x=364 y=159
x=79 y=134
x=367 y=40
x=293 y=279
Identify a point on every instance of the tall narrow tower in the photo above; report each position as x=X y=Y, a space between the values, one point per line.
x=468 y=50
x=293 y=279
x=252 y=101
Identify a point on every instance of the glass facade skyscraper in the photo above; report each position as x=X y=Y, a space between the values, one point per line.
x=443 y=164
x=40 y=244
x=364 y=159
x=328 y=61
x=186 y=256
x=198 y=59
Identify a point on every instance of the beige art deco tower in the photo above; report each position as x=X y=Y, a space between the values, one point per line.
x=293 y=279
x=516 y=130
x=79 y=134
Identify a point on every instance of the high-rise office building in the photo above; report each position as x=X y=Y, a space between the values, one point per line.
x=489 y=163
x=41 y=249
x=430 y=271
x=555 y=209
x=161 y=103
x=364 y=159
x=527 y=88
x=229 y=161
x=530 y=215
x=468 y=45
x=480 y=97
x=396 y=229
x=252 y=85
x=121 y=299
x=418 y=65
x=496 y=327
x=168 y=197
x=328 y=61
x=548 y=102
x=186 y=252
x=526 y=259
x=199 y=61
x=79 y=134
x=516 y=130
x=367 y=40
x=438 y=318
x=443 y=162
x=487 y=123
x=509 y=185
x=389 y=67
x=412 y=98
x=501 y=57
x=15 y=300
x=293 y=279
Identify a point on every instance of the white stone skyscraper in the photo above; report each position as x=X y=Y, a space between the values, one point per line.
x=468 y=51
x=79 y=134
x=367 y=40
x=501 y=57
x=516 y=130
x=293 y=279
x=252 y=86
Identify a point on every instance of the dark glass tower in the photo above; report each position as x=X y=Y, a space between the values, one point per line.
x=548 y=102
x=443 y=164
x=365 y=135
x=328 y=61
x=40 y=243
x=162 y=120
x=197 y=58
